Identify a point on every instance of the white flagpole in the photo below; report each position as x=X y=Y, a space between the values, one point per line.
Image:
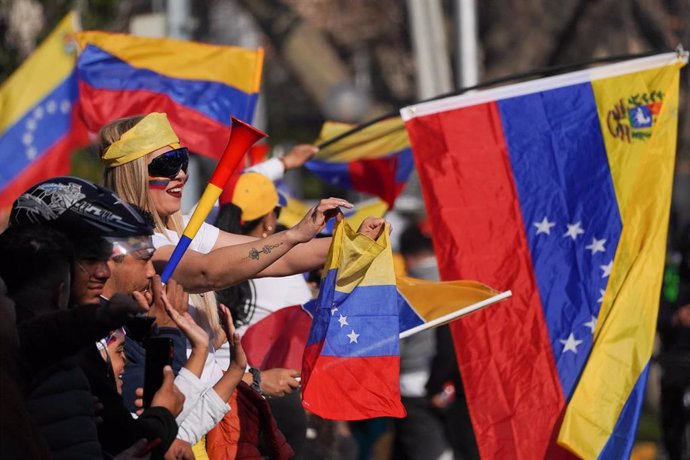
x=456 y=314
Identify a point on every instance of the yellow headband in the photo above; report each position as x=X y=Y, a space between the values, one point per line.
x=151 y=133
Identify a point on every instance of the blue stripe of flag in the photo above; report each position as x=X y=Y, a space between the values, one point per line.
x=37 y=130
x=102 y=70
x=561 y=173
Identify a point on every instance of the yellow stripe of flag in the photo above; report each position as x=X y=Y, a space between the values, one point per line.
x=376 y=141
x=642 y=172
x=234 y=66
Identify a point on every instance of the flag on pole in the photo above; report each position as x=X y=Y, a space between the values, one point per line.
x=199 y=86
x=38 y=125
x=558 y=189
x=376 y=160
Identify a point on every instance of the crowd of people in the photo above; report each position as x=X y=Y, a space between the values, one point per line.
x=80 y=298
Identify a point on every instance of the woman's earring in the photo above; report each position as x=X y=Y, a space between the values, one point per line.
x=264 y=235
x=269 y=228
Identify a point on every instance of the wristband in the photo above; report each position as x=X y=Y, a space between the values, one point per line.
x=256 y=379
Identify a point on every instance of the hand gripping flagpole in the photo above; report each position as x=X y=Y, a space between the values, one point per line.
x=242 y=136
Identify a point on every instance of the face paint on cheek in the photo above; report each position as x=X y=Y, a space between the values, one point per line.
x=158 y=184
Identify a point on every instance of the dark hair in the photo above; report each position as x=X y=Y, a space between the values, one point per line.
x=34 y=255
x=414 y=241
x=240 y=298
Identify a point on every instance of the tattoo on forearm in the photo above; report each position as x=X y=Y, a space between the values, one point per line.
x=256 y=253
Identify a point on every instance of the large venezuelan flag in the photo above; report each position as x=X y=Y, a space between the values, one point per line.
x=38 y=130
x=375 y=160
x=199 y=86
x=351 y=362
x=558 y=189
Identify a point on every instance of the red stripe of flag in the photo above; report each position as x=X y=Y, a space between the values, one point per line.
x=510 y=379
x=200 y=133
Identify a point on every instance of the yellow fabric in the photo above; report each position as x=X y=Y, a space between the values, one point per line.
x=237 y=67
x=150 y=134
x=376 y=141
x=48 y=66
x=199 y=449
x=255 y=194
x=355 y=255
x=434 y=299
x=642 y=171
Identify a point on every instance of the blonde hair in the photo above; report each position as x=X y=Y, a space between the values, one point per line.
x=129 y=181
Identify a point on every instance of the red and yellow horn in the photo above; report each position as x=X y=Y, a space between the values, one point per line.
x=242 y=136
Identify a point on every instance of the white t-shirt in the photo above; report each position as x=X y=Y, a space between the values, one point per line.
x=203 y=242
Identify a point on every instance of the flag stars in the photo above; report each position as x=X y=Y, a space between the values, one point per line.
x=574 y=231
x=601 y=295
x=353 y=336
x=31 y=152
x=596 y=246
x=31 y=124
x=51 y=106
x=65 y=106
x=544 y=226
x=606 y=269
x=27 y=139
x=571 y=343
x=592 y=324
x=343 y=321
x=38 y=113
x=333 y=309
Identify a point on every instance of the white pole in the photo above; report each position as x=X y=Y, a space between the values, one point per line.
x=456 y=314
x=429 y=46
x=466 y=55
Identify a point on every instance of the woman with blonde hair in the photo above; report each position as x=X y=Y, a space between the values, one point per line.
x=146 y=166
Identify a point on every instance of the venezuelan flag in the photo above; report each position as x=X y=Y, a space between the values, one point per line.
x=351 y=362
x=375 y=160
x=38 y=129
x=199 y=86
x=558 y=189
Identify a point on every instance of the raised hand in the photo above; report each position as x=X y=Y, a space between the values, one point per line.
x=315 y=219
x=238 y=360
x=372 y=227
x=176 y=297
x=298 y=155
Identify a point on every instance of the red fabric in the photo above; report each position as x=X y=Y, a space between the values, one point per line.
x=376 y=176
x=341 y=393
x=237 y=435
x=510 y=379
x=200 y=133
x=56 y=161
x=278 y=340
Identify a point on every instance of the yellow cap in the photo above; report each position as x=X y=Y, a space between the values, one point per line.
x=256 y=195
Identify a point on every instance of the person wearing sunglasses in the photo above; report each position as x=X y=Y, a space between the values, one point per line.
x=146 y=166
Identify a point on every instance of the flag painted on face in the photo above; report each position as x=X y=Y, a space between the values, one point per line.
x=558 y=189
x=199 y=86
x=38 y=126
x=376 y=160
x=351 y=362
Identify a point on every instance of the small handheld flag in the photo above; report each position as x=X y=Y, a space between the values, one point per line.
x=242 y=137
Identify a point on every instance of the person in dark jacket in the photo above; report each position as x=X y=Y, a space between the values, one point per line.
x=94 y=218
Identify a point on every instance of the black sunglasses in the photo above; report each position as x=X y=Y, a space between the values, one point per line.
x=169 y=164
